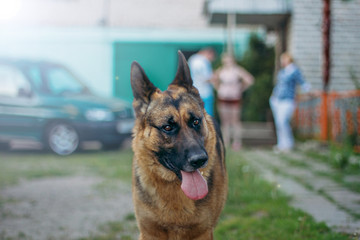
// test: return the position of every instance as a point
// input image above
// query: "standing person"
(282, 101)
(230, 81)
(201, 73)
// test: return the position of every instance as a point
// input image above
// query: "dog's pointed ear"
(141, 86)
(183, 77)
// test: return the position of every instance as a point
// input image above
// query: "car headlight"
(126, 113)
(99, 114)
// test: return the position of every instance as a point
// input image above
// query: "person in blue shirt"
(202, 73)
(282, 101)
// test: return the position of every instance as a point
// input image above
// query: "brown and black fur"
(162, 210)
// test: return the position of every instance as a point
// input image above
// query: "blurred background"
(96, 40)
(65, 86)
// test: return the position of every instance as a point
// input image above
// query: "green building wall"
(158, 59)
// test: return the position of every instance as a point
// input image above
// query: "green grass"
(255, 209)
(111, 165)
(124, 230)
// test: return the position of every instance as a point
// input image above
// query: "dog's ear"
(183, 77)
(142, 88)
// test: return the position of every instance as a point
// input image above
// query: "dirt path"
(62, 208)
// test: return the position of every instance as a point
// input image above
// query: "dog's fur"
(171, 130)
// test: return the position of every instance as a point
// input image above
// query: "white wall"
(345, 44)
(306, 41)
(119, 13)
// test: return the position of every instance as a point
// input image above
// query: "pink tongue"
(194, 185)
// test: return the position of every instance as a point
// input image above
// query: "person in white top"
(230, 81)
(201, 74)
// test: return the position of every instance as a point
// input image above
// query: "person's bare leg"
(236, 124)
(225, 123)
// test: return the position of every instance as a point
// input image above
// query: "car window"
(13, 83)
(61, 81)
(35, 75)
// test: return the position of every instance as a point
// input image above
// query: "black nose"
(198, 160)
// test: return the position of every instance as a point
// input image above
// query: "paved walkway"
(320, 196)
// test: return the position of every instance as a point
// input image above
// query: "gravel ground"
(62, 208)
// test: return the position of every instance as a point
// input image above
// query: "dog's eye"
(167, 128)
(196, 122)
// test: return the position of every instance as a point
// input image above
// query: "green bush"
(259, 60)
(341, 153)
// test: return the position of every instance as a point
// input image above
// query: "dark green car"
(46, 102)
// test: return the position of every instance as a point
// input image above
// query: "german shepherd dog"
(179, 176)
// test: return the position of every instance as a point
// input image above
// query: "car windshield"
(60, 81)
(55, 80)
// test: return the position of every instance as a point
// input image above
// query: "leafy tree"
(259, 60)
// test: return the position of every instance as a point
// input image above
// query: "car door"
(19, 118)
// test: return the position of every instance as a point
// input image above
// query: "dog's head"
(173, 126)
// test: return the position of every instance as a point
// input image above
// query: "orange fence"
(334, 116)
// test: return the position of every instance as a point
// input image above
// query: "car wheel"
(62, 138)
